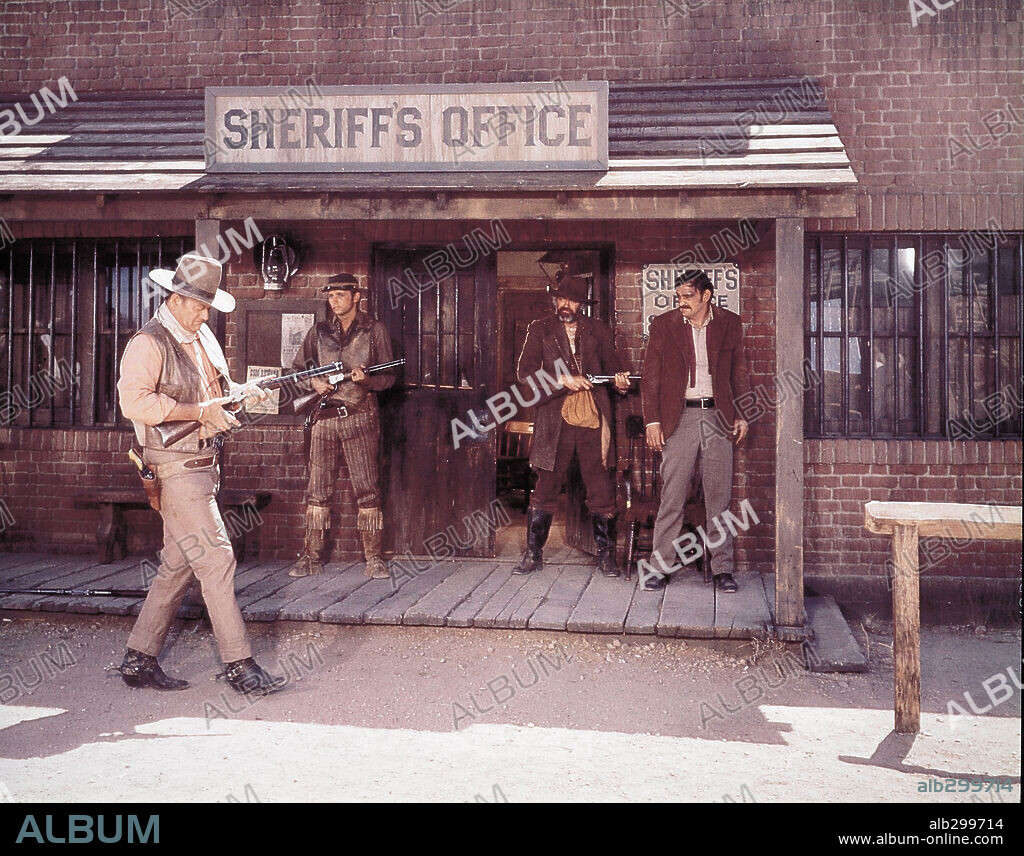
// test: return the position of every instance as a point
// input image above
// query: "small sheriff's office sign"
(658, 287)
(419, 128)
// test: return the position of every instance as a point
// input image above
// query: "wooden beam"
(946, 519)
(789, 429)
(906, 630)
(532, 205)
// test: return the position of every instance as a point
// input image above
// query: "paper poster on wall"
(659, 288)
(273, 402)
(293, 330)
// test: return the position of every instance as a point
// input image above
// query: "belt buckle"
(342, 411)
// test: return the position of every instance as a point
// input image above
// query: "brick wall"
(841, 475)
(926, 112)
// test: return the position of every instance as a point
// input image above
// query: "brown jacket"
(546, 342)
(665, 371)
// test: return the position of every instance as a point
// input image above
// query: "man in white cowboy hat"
(169, 366)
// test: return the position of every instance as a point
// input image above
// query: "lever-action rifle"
(171, 432)
(606, 378)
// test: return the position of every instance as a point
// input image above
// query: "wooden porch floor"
(565, 595)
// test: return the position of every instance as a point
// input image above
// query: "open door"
(438, 497)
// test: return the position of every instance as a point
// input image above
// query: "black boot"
(604, 537)
(142, 670)
(538, 524)
(246, 677)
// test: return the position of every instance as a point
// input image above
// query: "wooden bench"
(906, 522)
(237, 507)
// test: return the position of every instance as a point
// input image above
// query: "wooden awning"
(687, 137)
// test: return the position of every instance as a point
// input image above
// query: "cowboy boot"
(604, 537)
(311, 561)
(538, 524)
(247, 677)
(376, 567)
(143, 671)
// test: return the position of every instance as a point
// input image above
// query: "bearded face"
(566, 310)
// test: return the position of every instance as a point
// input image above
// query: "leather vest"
(357, 351)
(180, 380)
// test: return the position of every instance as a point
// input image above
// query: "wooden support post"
(206, 235)
(789, 424)
(906, 630)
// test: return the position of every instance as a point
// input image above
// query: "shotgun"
(172, 432)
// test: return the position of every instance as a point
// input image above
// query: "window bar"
(10, 320)
(96, 332)
(138, 283)
(31, 328)
(869, 272)
(821, 336)
(419, 330)
(945, 385)
(844, 326)
(1020, 308)
(970, 343)
(53, 330)
(73, 397)
(438, 347)
(457, 380)
(996, 428)
(919, 275)
(893, 277)
(117, 328)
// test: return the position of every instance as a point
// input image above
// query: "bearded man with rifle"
(171, 371)
(345, 421)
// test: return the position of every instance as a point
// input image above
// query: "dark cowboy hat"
(197, 277)
(341, 282)
(574, 288)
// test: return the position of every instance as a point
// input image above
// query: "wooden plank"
(10, 574)
(338, 582)
(90, 576)
(561, 600)
(789, 426)
(946, 519)
(743, 614)
(352, 608)
(274, 579)
(487, 615)
(906, 630)
(688, 607)
(835, 648)
(393, 609)
(644, 610)
(768, 584)
(433, 608)
(603, 606)
(464, 613)
(528, 599)
(46, 573)
(268, 607)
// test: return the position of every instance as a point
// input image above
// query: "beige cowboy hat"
(197, 277)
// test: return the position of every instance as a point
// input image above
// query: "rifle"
(79, 592)
(606, 378)
(171, 432)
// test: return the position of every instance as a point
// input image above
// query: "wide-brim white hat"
(197, 277)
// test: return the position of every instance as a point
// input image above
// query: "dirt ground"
(425, 714)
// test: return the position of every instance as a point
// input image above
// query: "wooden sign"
(658, 287)
(416, 128)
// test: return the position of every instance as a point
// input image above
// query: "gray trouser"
(195, 543)
(679, 457)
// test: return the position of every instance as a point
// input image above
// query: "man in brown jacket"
(694, 371)
(568, 340)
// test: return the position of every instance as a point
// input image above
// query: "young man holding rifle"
(346, 421)
(169, 367)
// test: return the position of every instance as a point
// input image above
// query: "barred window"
(915, 335)
(67, 310)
